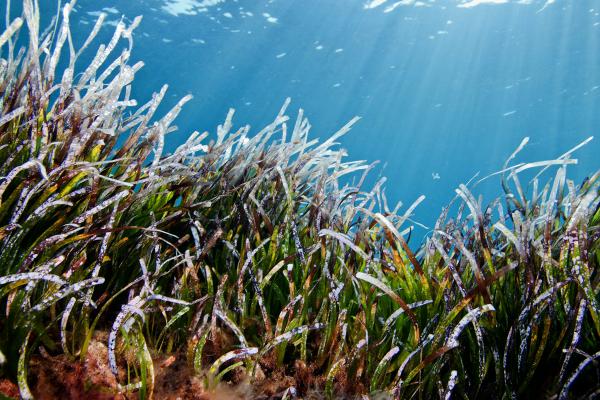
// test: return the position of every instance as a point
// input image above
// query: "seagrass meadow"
(257, 265)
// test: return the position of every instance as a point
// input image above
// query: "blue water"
(444, 88)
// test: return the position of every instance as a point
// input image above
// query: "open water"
(445, 88)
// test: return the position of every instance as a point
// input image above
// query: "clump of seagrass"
(248, 254)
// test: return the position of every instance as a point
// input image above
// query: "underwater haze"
(445, 88)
